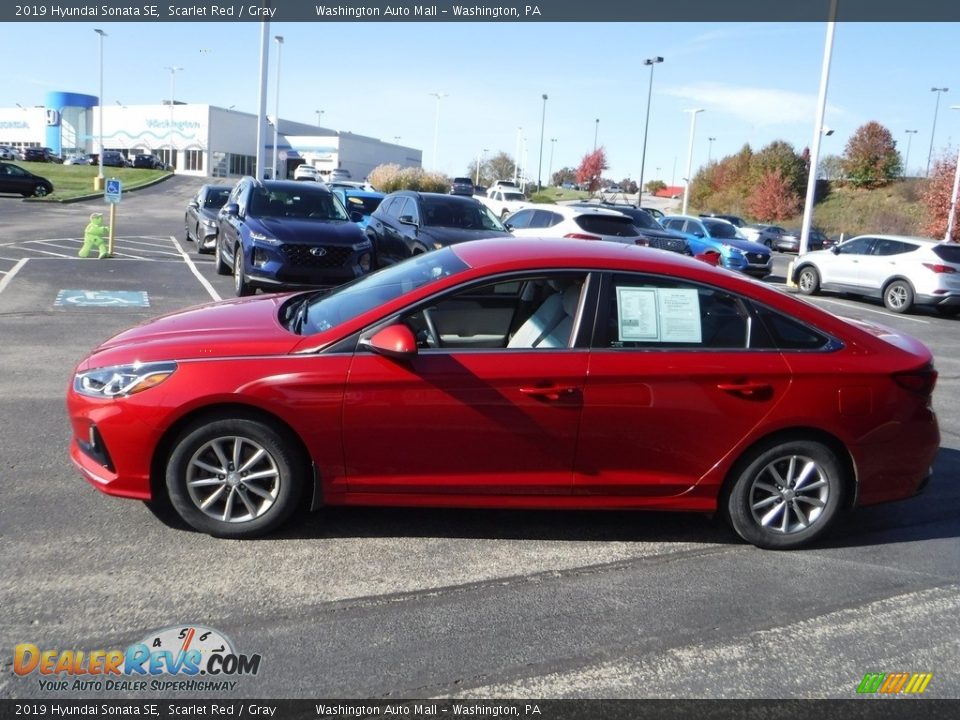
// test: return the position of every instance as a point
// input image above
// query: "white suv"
(306, 172)
(903, 271)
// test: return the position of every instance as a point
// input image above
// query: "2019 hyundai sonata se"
(512, 373)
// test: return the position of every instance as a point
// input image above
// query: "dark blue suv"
(283, 235)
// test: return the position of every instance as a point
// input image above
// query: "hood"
(230, 328)
(311, 232)
(450, 236)
(663, 234)
(745, 245)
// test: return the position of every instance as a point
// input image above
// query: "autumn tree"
(655, 186)
(591, 169)
(871, 159)
(936, 198)
(773, 198)
(779, 155)
(500, 167)
(564, 175)
(830, 167)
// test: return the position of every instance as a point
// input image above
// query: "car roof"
(907, 238)
(575, 210)
(445, 196)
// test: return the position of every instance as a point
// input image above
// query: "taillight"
(938, 268)
(582, 236)
(920, 381)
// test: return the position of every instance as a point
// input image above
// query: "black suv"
(462, 186)
(408, 223)
(284, 234)
(40, 154)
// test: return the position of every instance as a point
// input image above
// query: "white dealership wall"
(208, 140)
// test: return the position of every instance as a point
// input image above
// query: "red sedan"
(512, 373)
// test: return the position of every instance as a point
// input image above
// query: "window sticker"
(637, 315)
(658, 315)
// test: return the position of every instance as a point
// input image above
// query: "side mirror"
(356, 216)
(408, 220)
(231, 209)
(394, 341)
(711, 257)
(194, 204)
(508, 226)
(835, 249)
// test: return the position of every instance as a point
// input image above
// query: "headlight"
(122, 380)
(210, 224)
(264, 238)
(731, 250)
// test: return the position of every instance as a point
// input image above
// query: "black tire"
(40, 190)
(947, 310)
(808, 280)
(240, 284)
(898, 296)
(801, 509)
(186, 231)
(218, 261)
(253, 507)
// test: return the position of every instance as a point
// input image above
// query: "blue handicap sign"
(113, 190)
(102, 298)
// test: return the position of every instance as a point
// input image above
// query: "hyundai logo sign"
(318, 251)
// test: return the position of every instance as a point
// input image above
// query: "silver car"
(902, 271)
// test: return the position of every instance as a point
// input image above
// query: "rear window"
(617, 226)
(462, 181)
(948, 252)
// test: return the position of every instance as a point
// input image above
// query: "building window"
(193, 160)
(242, 164)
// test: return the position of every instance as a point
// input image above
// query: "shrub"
(542, 197)
(390, 178)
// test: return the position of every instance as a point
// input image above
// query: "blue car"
(720, 236)
(285, 235)
(359, 201)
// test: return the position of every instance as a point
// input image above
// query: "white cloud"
(762, 107)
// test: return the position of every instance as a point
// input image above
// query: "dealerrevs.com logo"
(184, 657)
(894, 683)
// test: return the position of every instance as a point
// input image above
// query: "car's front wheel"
(898, 296)
(221, 265)
(40, 190)
(786, 495)
(234, 477)
(808, 281)
(240, 284)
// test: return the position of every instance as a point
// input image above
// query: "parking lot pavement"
(360, 602)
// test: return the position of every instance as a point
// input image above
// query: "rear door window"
(617, 226)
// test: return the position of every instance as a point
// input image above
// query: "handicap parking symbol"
(102, 298)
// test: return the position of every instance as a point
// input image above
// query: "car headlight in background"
(260, 237)
(122, 380)
(731, 250)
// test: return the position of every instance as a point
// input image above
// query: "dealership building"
(196, 139)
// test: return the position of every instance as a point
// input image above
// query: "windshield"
(721, 229)
(348, 301)
(642, 220)
(442, 211)
(304, 203)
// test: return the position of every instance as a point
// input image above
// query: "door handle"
(548, 392)
(746, 389)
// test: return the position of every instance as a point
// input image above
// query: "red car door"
(672, 387)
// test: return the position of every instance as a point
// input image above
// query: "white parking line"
(193, 268)
(873, 310)
(13, 271)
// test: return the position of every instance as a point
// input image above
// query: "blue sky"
(757, 82)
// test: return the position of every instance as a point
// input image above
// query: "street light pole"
(710, 149)
(951, 222)
(906, 161)
(516, 164)
(436, 128)
(173, 96)
(553, 144)
(693, 128)
(596, 129)
(479, 160)
(319, 113)
(98, 185)
(936, 109)
(646, 126)
(276, 106)
(543, 119)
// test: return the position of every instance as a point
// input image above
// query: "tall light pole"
(596, 130)
(479, 160)
(951, 222)
(693, 128)
(516, 164)
(173, 95)
(646, 126)
(936, 109)
(553, 144)
(710, 149)
(319, 113)
(906, 160)
(543, 119)
(260, 159)
(276, 106)
(98, 185)
(436, 128)
(818, 133)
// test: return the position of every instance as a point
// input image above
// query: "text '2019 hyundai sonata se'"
(512, 373)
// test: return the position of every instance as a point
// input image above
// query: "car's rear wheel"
(40, 190)
(234, 477)
(240, 284)
(218, 261)
(786, 495)
(808, 281)
(898, 296)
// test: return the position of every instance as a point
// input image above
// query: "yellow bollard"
(113, 222)
(790, 282)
